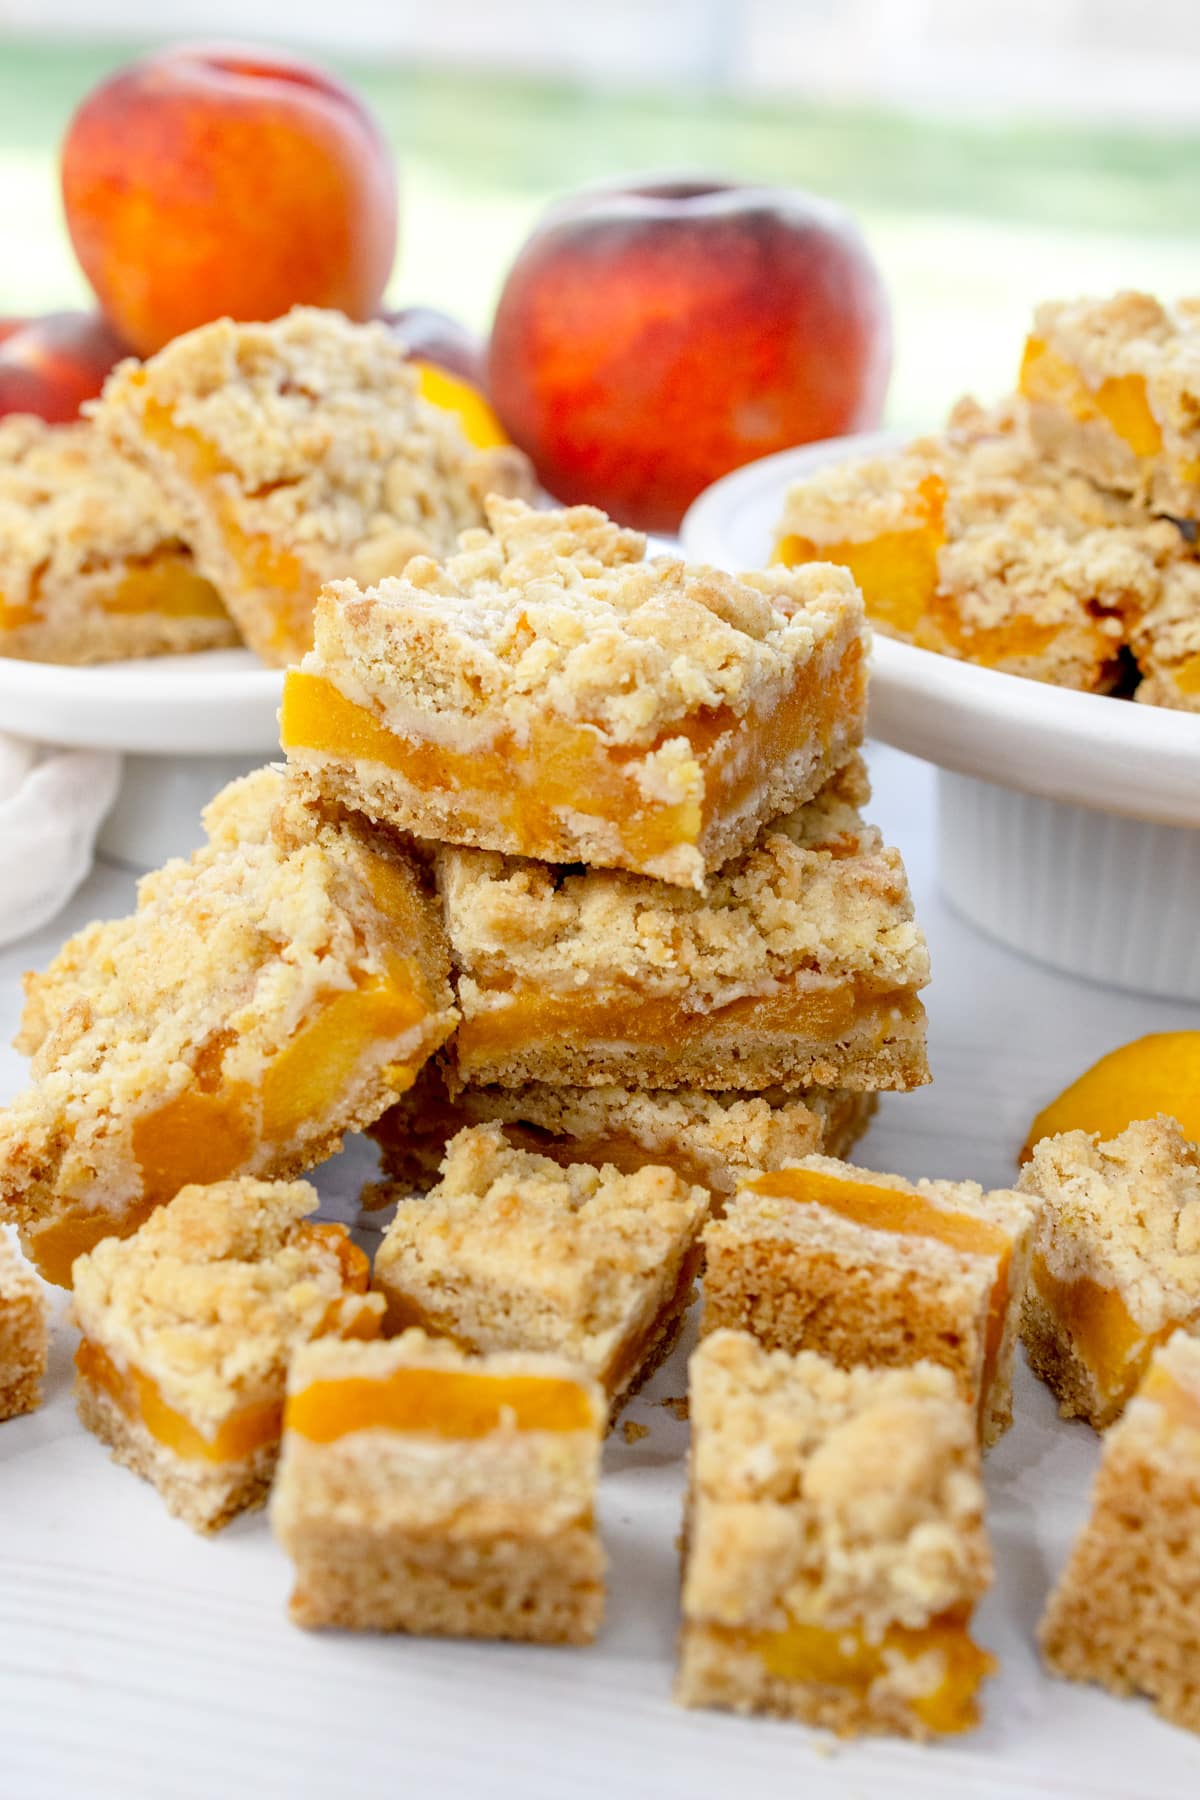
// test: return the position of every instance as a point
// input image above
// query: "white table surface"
(139, 1660)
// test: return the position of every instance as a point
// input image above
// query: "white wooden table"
(138, 1660)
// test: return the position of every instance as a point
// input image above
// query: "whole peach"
(219, 179)
(650, 338)
(51, 365)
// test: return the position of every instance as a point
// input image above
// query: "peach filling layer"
(140, 1399)
(897, 571)
(1104, 1335)
(1120, 400)
(1187, 675)
(825, 1657)
(444, 1403)
(218, 1128)
(813, 1015)
(906, 1215)
(451, 393)
(271, 572)
(1179, 1406)
(165, 584)
(898, 574)
(564, 768)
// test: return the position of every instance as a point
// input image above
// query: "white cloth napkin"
(52, 803)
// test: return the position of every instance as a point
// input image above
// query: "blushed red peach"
(649, 339)
(50, 366)
(220, 179)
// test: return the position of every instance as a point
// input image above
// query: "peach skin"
(207, 180)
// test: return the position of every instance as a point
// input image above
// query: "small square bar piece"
(1126, 1610)
(549, 692)
(800, 966)
(268, 995)
(975, 545)
(297, 452)
(515, 1252)
(426, 1491)
(24, 1333)
(1114, 391)
(188, 1329)
(1116, 1264)
(835, 1543)
(872, 1269)
(709, 1139)
(92, 566)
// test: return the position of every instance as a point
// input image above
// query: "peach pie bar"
(188, 1329)
(92, 568)
(1126, 1610)
(297, 452)
(708, 1139)
(836, 1543)
(1114, 391)
(426, 1491)
(873, 1269)
(24, 1334)
(973, 545)
(549, 692)
(267, 996)
(801, 965)
(514, 1252)
(1116, 1266)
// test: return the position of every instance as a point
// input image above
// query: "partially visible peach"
(649, 339)
(431, 336)
(50, 366)
(212, 179)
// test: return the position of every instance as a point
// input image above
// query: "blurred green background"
(972, 222)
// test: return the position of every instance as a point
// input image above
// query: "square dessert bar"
(512, 1251)
(92, 566)
(549, 692)
(24, 1333)
(1116, 1264)
(299, 451)
(1126, 1609)
(800, 966)
(188, 1329)
(835, 1543)
(270, 994)
(873, 1269)
(709, 1139)
(972, 544)
(427, 1491)
(1114, 391)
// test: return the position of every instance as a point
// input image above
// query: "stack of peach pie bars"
(1054, 536)
(564, 894)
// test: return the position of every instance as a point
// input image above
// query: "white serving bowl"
(1069, 823)
(185, 724)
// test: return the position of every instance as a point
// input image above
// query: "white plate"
(1086, 749)
(217, 702)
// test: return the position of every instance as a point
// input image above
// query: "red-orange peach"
(650, 338)
(53, 364)
(220, 179)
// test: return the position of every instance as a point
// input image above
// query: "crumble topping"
(560, 612)
(1124, 1213)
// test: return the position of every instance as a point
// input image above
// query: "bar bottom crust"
(204, 1496)
(1052, 1359)
(545, 1590)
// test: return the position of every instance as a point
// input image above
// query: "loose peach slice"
(1155, 1074)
